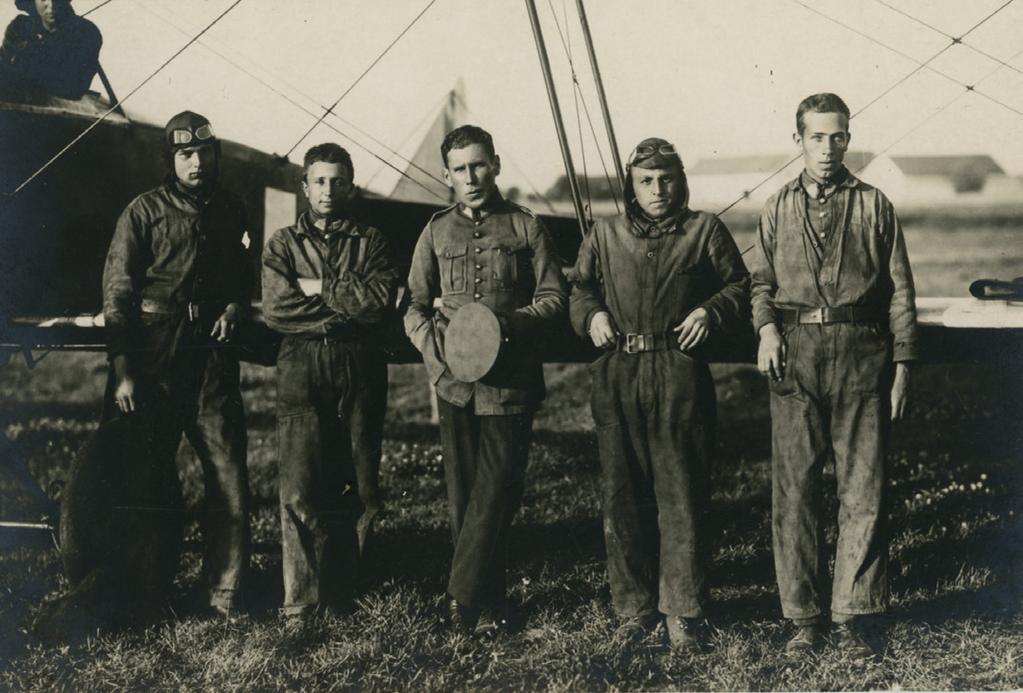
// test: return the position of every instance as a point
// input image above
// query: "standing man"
(327, 285)
(50, 50)
(486, 250)
(175, 287)
(833, 304)
(653, 284)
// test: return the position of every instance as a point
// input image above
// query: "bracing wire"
(586, 109)
(919, 66)
(429, 114)
(93, 9)
(926, 64)
(309, 112)
(365, 72)
(121, 101)
(947, 35)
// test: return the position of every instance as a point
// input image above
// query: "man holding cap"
(652, 285)
(176, 285)
(483, 250)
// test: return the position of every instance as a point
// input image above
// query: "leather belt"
(192, 311)
(636, 343)
(828, 315)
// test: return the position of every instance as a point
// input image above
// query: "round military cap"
(472, 342)
(188, 129)
(654, 152)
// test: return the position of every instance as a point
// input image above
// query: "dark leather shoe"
(808, 638)
(633, 629)
(684, 634)
(850, 641)
(462, 618)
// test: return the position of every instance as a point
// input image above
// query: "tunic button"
(479, 267)
(477, 280)
(479, 250)
(650, 254)
(477, 234)
(477, 295)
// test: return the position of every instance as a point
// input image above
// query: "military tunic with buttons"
(503, 258)
(654, 406)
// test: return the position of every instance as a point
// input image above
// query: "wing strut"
(559, 125)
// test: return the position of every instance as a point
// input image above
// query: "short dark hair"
(463, 137)
(820, 103)
(330, 153)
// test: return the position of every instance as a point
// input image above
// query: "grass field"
(957, 548)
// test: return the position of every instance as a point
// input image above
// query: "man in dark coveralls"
(652, 284)
(175, 287)
(50, 50)
(488, 250)
(833, 304)
(327, 285)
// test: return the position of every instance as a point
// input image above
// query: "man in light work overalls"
(833, 304)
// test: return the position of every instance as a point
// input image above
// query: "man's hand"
(694, 330)
(602, 330)
(311, 287)
(771, 353)
(224, 327)
(900, 391)
(124, 393)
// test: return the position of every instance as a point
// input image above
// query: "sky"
(716, 78)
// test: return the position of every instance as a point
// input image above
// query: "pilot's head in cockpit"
(50, 12)
(192, 150)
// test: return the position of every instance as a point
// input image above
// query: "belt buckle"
(816, 316)
(193, 312)
(636, 343)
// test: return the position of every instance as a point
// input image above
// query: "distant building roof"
(763, 163)
(978, 164)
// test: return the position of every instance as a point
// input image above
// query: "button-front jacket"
(172, 248)
(504, 259)
(863, 262)
(353, 264)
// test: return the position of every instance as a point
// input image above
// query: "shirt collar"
(804, 181)
(494, 204)
(307, 225)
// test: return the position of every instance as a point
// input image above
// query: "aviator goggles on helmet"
(645, 151)
(182, 136)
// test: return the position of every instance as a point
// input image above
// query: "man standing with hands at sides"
(175, 286)
(833, 304)
(483, 249)
(653, 284)
(328, 283)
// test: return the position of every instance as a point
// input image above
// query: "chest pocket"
(453, 269)
(510, 262)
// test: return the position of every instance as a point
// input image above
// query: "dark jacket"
(61, 62)
(507, 261)
(358, 280)
(865, 265)
(649, 278)
(170, 249)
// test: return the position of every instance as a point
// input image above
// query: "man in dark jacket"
(486, 250)
(328, 283)
(652, 285)
(833, 303)
(175, 286)
(50, 50)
